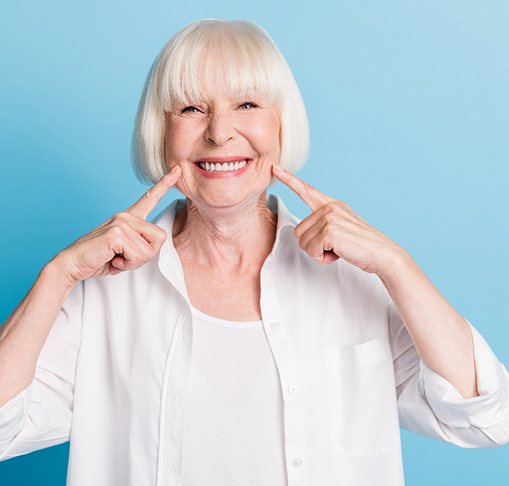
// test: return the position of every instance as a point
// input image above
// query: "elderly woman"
(227, 342)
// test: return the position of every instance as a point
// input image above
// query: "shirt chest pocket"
(363, 415)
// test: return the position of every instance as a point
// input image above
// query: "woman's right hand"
(124, 242)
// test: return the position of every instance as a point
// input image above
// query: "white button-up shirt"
(112, 375)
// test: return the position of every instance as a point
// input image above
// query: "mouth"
(223, 167)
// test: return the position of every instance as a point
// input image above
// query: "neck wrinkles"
(234, 238)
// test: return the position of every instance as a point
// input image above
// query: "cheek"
(187, 179)
(179, 140)
(266, 136)
(175, 143)
(186, 185)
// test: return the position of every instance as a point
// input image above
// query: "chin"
(229, 198)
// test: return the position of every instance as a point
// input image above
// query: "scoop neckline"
(224, 322)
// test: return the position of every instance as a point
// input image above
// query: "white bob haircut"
(249, 62)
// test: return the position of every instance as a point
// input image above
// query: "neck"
(229, 239)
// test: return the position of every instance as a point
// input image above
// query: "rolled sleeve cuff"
(485, 410)
(12, 415)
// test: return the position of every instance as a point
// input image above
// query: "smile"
(232, 166)
(221, 170)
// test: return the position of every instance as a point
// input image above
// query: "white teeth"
(232, 166)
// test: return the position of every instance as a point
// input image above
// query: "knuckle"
(123, 227)
(156, 247)
(335, 205)
(162, 235)
(159, 234)
(148, 253)
(332, 212)
(144, 251)
(115, 234)
(115, 231)
(121, 216)
(330, 215)
(134, 258)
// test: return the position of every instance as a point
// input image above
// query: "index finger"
(144, 206)
(309, 194)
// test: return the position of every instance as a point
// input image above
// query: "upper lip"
(232, 158)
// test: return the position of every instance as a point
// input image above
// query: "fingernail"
(279, 169)
(174, 169)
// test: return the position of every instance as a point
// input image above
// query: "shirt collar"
(168, 260)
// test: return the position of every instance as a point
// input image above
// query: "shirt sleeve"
(40, 415)
(430, 405)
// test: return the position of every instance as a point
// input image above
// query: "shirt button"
(293, 389)
(275, 325)
(297, 462)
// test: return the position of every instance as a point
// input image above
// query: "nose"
(220, 129)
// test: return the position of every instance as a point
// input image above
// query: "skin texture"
(443, 339)
(226, 231)
(222, 215)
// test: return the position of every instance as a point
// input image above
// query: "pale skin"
(224, 235)
(228, 230)
(443, 339)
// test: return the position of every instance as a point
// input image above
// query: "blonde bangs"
(219, 59)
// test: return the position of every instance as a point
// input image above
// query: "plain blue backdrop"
(409, 115)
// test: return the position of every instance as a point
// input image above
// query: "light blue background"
(409, 115)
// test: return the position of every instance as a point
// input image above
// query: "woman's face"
(223, 128)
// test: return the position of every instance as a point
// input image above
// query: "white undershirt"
(233, 430)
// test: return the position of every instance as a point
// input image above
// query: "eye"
(190, 108)
(250, 103)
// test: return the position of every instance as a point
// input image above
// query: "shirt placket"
(290, 379)
(175, 379)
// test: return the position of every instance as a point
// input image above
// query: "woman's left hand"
(334, 231)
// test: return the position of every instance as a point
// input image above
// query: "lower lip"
(216, 174)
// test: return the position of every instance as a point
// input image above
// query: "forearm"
(23, 334)
(442, 337)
